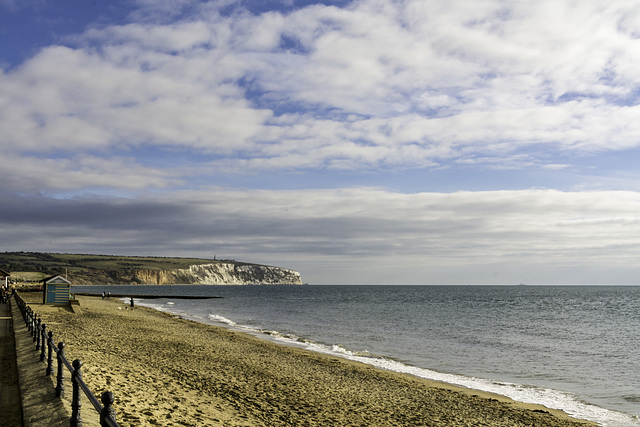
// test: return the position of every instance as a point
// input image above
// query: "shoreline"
(168, 370)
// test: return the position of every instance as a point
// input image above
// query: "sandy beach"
(169, 371)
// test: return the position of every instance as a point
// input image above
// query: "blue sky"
(400, 142)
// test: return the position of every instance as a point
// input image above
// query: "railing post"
(107, 409)
(38, 333)
(76, 376)
(28, 320)
(23, 309)
(44, 344)
(60, 378)
(50, 354)
(35, 329)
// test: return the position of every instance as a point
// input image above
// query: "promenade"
(10, 403)
(27, 395)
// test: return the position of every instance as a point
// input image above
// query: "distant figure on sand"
(103, 295)
(131, 302)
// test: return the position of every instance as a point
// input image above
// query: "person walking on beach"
(131, 302)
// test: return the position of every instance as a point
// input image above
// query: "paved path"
(10, 403)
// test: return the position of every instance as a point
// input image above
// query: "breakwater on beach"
(567, 347)
(144, 296)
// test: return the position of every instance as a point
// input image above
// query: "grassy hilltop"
(34, 266)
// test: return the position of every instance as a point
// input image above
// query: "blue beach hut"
(57, 290)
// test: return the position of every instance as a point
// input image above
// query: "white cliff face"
(215, 273)
(228, 273)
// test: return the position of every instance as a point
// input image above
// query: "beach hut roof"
(4, 273)
(56, 279)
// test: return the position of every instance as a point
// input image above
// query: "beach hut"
(4, 277)
(57, 290)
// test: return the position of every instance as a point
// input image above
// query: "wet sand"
(169, 371)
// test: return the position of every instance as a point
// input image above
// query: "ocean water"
(574, 348)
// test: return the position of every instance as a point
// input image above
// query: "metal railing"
(45, 344)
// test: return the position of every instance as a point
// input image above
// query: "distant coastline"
(90, 269)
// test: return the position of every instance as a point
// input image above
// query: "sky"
(357, 142)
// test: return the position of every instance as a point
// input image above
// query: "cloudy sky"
(372, 141)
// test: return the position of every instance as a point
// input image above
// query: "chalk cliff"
(220, 273)
(91, 269)
(216, 273)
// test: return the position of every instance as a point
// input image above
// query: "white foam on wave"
(549, 398)
(220, 319)
(554, 399)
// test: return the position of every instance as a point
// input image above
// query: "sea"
(573, 348)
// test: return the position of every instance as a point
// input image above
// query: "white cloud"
(72, 100)
(181, 37)
(159, 107)
(389, 236)
(374, 84)
(96, 174)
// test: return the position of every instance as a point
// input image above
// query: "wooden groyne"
(142, 296)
